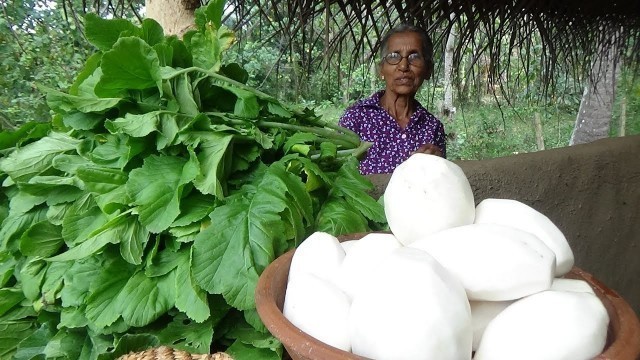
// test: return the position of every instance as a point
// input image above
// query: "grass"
(487, 131)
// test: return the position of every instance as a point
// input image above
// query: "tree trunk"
(623, 117)
(537, 124)
(482, 77)
(326, 83)
(448, 110)
(175, 16)
(594, 115)
(373, 77)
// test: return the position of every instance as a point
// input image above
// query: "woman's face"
(405, 78)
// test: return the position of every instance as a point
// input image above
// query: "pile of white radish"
(452, 281)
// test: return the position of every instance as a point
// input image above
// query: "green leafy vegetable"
(145, 214)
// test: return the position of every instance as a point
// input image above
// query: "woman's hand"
(429, 149)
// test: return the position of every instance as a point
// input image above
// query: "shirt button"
(404, 136)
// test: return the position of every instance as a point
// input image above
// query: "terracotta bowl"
(623, 342)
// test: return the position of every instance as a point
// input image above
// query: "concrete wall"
(591, 192)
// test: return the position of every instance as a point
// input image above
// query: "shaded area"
(571, 32)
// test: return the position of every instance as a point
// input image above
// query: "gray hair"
(427, 44)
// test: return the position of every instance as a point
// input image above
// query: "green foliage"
(301, 71)
(161, 192)
(487, 132)
(628, 98)
(37, 47)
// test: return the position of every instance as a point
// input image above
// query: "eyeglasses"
(395, 58)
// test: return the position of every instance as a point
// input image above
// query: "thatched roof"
(572, 32)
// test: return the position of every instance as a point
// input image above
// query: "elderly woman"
(392, 119)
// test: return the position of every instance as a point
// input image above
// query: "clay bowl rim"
(623, 322)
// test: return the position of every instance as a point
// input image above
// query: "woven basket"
(167, 353)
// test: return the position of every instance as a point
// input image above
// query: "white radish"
(362, 259)
(416, 311)
(482, 312)
(319, 254)
(519, 215)
(493, 262)
(427, 194)
(348, 244)
(318, 308)
(550, 325)
(560, 284)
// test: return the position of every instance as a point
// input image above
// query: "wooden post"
(538, 127)
(623, 116)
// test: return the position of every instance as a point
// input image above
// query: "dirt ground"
(591, 192)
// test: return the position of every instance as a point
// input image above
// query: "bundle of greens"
(144, 213)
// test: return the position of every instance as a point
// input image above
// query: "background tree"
(175, 16)
(37, 47)
(593, 120)
(448, 110)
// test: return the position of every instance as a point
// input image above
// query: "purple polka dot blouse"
(391, 144)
